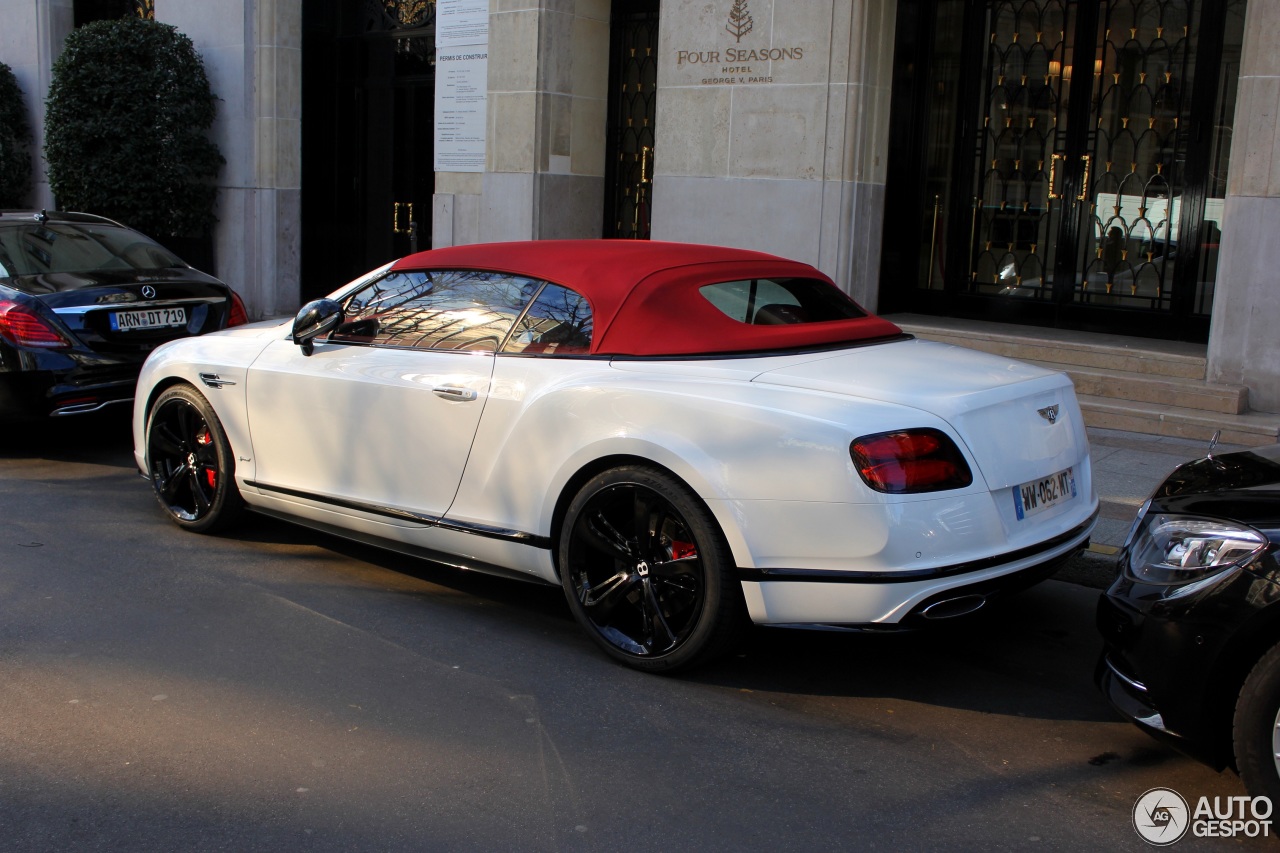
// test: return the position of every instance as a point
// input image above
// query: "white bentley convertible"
(686, 438)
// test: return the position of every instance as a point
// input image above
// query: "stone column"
(772, 126)
(252, 52)
(31, 37)
(1244, 346)
(545, 140)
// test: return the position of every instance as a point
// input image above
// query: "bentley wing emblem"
(1049, 413)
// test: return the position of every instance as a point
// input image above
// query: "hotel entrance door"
(633, 92)
(368, 136)
(1077, 178)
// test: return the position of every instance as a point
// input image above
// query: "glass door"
(1077, 180)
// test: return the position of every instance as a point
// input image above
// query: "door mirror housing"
(315, 319)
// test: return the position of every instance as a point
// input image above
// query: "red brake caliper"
(204, 439)
(680, 550)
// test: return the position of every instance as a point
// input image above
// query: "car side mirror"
(315, 319)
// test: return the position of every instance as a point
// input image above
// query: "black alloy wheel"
(647, 572)
(190, 461)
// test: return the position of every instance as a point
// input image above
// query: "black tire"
(647, 571)
(1257, 738)
(190, 461)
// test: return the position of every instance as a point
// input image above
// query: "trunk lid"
(988, 400)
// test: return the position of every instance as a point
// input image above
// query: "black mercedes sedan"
(83, 300)
(1192, 623)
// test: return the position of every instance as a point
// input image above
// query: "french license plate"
(154, 318)
(1039, 495)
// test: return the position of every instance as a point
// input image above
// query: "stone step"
(1173, 359)
(1251, 429)
(1161, 390)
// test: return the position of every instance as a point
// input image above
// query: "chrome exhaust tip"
(949, 608)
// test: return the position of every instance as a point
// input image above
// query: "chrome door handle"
(453, 392)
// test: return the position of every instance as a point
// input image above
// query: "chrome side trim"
(1136, 685)
(1155, 721)
(487, 531)
(213, 380)
(451, 560)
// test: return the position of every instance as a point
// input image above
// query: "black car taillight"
(238, 316)
(23, 327)
(914, 460)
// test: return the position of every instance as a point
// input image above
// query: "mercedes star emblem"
(150, 293)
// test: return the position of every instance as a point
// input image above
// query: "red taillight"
(238, 316)
(23, 327)
(916, 460)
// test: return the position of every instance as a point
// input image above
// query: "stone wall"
(773, 138)
(1244, 347)
(31, 36)
(545, 140)
(252, 52)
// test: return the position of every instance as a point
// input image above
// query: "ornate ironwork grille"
(1020, 128)
(1126, 183)
(412, 24)
(1064, 161)
(632, 109)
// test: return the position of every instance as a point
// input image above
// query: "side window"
(436, 309)
(783, 301)
(558, 321)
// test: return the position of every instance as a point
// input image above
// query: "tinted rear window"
(781, 301)
(33, 248)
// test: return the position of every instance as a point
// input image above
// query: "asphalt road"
(280, 690)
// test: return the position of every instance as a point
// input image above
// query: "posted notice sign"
(462, 77)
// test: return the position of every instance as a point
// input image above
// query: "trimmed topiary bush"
(126, 128)
(15, 142)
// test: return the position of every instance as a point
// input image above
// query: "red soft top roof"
(644, 294)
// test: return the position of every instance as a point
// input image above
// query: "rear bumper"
(39, 394)
(887, 599)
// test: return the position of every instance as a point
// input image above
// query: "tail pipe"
(949, 608)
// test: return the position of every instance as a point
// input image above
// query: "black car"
(1192, 623)
(82, 301)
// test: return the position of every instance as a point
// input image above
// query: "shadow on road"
(102, 438)
(1030, 655)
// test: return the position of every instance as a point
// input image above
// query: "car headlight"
(1172, 549)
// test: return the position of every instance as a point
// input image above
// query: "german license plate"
(154, 318)
(1039, 495)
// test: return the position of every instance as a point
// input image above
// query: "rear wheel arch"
(700, 486)
(646, 568)
(583, 476)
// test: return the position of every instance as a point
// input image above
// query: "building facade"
(1109, 165)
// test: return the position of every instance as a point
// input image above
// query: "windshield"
(35, 248)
